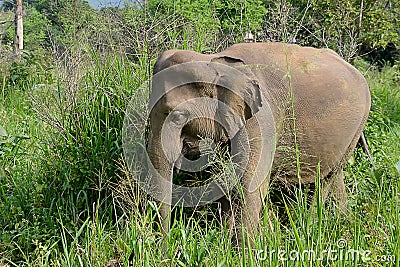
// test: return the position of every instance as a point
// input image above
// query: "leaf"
(3, 131)
(397, 166)
(351, 160)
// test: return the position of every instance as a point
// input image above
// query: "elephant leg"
(335, 187)
(165, 219)
(250, 216)
(227, 215)
(339, 192)
(248, 198)
(229, 208)
(242, 215)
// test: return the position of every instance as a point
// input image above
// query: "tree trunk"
(19, 28)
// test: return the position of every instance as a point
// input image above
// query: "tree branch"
(5, 21)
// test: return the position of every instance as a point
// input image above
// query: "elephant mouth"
(197, 154)
(190, 153)
(196, 161)
(191, 148)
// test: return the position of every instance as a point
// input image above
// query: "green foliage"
(338, 24)
(190, 24)
(198, 13)
(89, 137)
(380, 24)
(9, 145)
(29, 70)
(76, 24)
(35, 29)
(6, 27)
(212, 20)
(240, 16)
(21, 202)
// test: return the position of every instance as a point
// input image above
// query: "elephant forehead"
(179, 95)
(200, 107)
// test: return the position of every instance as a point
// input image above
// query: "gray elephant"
(289, 112)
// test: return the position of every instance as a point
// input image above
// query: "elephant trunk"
(162, 155)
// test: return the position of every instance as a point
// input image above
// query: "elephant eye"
(179, 117)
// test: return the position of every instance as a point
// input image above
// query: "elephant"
(296, 112)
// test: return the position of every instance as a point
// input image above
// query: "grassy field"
(65, 198)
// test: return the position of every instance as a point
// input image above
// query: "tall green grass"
(61, 172)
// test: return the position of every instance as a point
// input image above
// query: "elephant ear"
(247, 119)
(238, 91)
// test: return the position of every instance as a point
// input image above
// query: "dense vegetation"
(66, 197)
